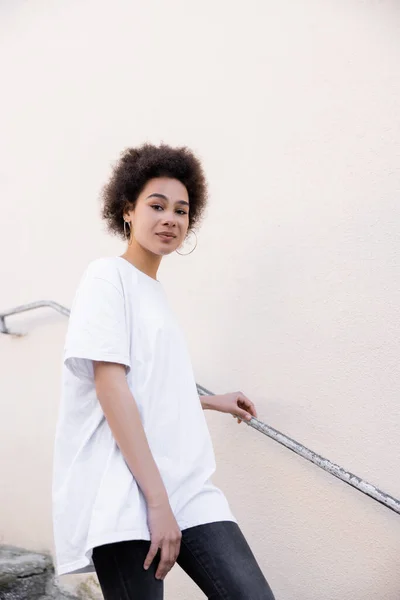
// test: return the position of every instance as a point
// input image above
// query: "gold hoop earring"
(192, 250)
(128, 235)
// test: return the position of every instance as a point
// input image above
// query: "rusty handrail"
(323, 463)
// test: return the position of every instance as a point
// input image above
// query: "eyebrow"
(155, 195)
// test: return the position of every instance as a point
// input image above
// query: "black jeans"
(216, 556)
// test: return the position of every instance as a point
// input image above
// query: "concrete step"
(24, 575)
(57, 594)
(27, 575)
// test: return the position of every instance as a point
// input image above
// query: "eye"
(181, 212)
(156, 206)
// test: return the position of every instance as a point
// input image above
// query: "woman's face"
(160, 218)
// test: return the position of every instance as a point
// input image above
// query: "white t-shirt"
(121, 315)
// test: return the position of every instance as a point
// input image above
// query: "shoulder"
(105, 269)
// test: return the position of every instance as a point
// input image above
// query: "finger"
(252, 410)
(177, 549)
(174, 552)
(166, 561)
(150, 555)
(243, 415)
(246, 403)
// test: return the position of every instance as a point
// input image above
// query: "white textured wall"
(293, 292)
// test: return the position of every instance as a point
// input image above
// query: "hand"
(236, 404)
(165, 535)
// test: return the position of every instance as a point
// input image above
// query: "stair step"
(23, 574)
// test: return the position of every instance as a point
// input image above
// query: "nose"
(169, 220)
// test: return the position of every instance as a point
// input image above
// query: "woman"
(133, 457)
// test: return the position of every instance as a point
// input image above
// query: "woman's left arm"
(234, 403)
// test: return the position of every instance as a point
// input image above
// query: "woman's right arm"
(122, 414)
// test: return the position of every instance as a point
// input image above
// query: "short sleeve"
(97, 328)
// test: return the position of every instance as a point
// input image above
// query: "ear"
(128, 209)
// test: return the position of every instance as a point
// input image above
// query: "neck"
(142, 259)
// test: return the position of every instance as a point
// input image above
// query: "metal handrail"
(323, 463)
(25, 307)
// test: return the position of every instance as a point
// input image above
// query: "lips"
(166, 235)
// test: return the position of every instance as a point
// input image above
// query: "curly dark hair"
(137, 165)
